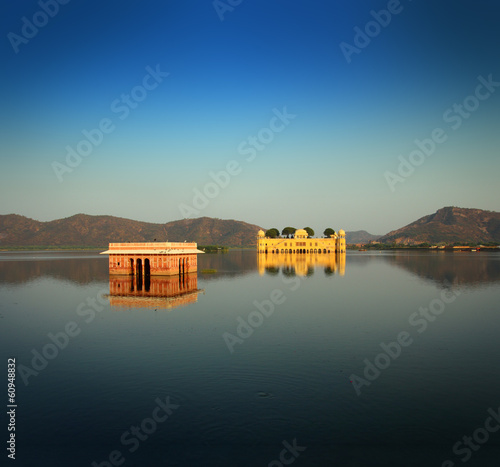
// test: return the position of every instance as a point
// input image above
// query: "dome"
(261, 233)
(341, 232)
(300, 233)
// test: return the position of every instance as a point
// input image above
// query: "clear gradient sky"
(235, 73)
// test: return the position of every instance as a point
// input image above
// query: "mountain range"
(360, 236)
(447, 225)
(98, 231)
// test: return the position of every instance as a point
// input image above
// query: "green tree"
(328, 232)
(310, 232)
(288, 231)
(272, 233)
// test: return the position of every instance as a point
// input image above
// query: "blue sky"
(312, 117)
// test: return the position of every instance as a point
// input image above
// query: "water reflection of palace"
(164, 292)
(301, 265)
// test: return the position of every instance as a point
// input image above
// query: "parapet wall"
(152, 258)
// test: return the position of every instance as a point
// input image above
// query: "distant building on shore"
(301, 244)
(157, 258)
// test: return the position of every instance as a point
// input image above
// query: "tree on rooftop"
(310, 232)
(272, 233)
(328, 232)
(288, 231)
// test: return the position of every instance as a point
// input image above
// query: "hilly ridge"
(98, 231)
(449, 225)
(360, 236)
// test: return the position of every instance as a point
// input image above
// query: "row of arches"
(139, 268)
(182, 265)
(138, 271)
(299, 251)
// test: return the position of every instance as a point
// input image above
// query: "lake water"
(379, 358)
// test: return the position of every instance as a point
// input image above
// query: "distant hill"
(449, 225)
(360, 236)
(98, 231)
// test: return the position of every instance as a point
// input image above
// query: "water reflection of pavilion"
(164, 292)
(301, 265)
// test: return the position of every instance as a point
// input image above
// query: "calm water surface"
(179, 361)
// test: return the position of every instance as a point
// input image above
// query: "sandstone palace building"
(301, 244)
(156, 258)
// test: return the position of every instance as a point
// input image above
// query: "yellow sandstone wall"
(302, 244)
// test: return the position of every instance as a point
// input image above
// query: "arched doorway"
(132, 266)
(147, 274)
(138, 273)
